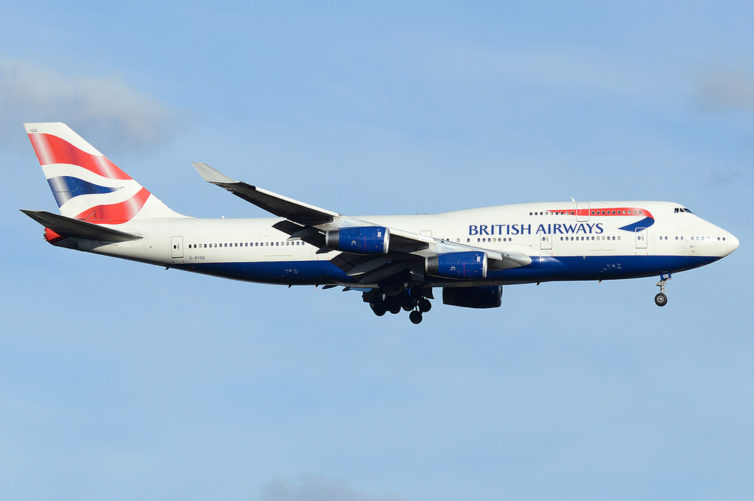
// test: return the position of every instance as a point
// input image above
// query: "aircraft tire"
(424, 305)
(379, 309)
(661, 299)
(415, 317)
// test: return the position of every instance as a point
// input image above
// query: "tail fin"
(86, 185)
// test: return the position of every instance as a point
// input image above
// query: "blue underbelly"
(599, 267)
(540, 270)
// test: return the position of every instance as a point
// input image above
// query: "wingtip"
(211, 175)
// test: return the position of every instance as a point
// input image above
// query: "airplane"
(395, 261)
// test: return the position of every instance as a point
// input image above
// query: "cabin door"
(640, 237)
(582, 211)
(176, 246)
(545, 242)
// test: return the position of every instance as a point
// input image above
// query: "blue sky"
(120, 380)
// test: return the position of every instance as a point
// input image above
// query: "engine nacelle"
(359, 239)
(485, 296)
(470, 264)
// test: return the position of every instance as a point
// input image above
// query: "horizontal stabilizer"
(69, 227)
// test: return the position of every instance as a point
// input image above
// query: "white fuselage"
(566, 241)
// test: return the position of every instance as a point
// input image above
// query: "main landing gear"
(412, 299)
(661, 299)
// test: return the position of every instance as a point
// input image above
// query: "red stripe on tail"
(115, 213)
(53, 150)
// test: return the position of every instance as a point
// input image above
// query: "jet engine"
(470, 264)
(359, 239)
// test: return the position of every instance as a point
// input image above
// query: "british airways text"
(528, 229)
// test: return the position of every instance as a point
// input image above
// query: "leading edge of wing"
(403, 242)
(274, 203)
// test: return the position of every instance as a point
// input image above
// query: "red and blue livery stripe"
(65, 188)
(644, 223)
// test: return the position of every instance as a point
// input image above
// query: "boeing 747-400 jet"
(394, 261)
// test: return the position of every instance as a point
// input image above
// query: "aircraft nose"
(732, 243)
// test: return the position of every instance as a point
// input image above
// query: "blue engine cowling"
(359, 239)
(470, 264)
(486, 296)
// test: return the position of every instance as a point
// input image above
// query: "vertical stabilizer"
(86, 184)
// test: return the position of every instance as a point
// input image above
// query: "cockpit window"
(681, 209)
(687, 210)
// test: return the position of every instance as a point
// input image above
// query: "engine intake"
(486, 296)
(470, 264)
(359, 239)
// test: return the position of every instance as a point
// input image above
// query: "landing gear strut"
(661, 299)
(411, 299)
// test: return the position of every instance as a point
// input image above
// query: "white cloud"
(312, 488)
(122, 118)
(726, 90)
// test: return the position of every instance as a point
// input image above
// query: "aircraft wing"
(279, 205)
(407, 250)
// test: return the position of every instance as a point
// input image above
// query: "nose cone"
(732, 243)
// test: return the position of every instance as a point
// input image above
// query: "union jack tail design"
(86, 185)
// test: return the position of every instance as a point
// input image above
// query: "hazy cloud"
(121, 117)
(726, 90)
(312, 488)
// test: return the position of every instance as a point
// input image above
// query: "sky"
(120, 380)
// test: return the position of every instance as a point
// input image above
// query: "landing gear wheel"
(379, 309)
(424, 305)
(661, 299)
(394, 308)
(415, 317)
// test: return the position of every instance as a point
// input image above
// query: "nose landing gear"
(661, 299)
